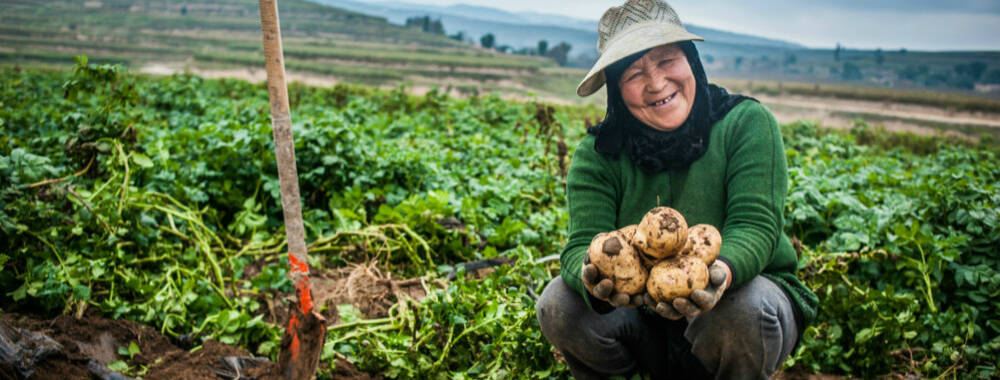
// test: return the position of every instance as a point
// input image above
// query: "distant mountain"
(525, 29)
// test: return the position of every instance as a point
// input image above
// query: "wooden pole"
(303, 339)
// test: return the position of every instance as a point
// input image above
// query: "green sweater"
(738, 186)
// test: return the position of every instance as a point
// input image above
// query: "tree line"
(887, 67)
(558, 53)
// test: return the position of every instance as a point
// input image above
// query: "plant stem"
(97, 216)
(927, 279)
(423, 243)
(57, 180)
(124, 158)
(447, 347)
(361, 322)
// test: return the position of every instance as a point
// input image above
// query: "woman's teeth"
(664, 101)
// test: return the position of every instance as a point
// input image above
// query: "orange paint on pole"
(293, 347)
(301, 268)
(296, 265)
(305, 295)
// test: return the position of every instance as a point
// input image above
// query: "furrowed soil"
(895, 117)
(96, 338)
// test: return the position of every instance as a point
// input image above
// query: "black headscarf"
(654, 150)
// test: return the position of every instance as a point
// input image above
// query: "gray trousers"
(747, 335)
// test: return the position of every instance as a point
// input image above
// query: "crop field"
(950, 101)
(148, 208)
(319, 41)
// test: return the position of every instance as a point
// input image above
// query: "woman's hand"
(604, 288)
(700, 301)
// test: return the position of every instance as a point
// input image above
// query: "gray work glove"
(699, 301)
(604, 288)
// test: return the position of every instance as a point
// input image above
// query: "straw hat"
(636, 26)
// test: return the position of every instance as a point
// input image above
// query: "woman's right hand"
(604, 288)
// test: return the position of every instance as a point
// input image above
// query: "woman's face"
(659, 88)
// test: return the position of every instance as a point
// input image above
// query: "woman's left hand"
(700, 301)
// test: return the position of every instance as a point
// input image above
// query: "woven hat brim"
(636, 39)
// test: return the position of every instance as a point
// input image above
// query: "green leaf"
(457, 319)
(142, 160)
(118, 366)
(348, 313)
(865, 335)
(81, 292)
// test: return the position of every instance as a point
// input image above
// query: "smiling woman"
(670, 138)
(658, 89)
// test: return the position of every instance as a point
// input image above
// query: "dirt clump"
(202, 364)
(94, 338)
(366, 287)
(369, 289)
(97, 338)
(346, 371)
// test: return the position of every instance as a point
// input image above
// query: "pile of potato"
(661, 255)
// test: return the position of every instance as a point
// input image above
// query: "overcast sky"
(889, 24)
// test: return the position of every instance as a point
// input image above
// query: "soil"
(364, 286)
(828, 111)
(90, 338)
(248, 74)
(896, 117)
(201, 364)
(887, 109)
(96, 338)
(347, 371)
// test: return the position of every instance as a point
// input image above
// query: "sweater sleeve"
(756, 184)
(591, 193)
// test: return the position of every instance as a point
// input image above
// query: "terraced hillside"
(323, 44)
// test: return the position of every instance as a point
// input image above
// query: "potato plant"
(151, 199)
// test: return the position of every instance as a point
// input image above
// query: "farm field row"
(155, 200)
(338, 45)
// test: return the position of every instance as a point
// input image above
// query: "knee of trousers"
(557, 308)
(591, 340)
(748, 329)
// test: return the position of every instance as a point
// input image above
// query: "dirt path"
(247, 74)
(832, 112)
(914, 118)
(421, 86)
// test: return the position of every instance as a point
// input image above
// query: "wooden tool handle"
(284, 149)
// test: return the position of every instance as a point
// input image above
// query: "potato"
(619, 261)
(629, 233)
(661, 233)
(676, 277)
(703, 242)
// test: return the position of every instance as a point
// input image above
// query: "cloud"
(889, 24)
(820, 25)
(910, 6)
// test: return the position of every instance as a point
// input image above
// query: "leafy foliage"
(471, 329)
(151, 206)
(152, 198)
(903, 255)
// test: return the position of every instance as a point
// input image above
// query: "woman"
(669, 138)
